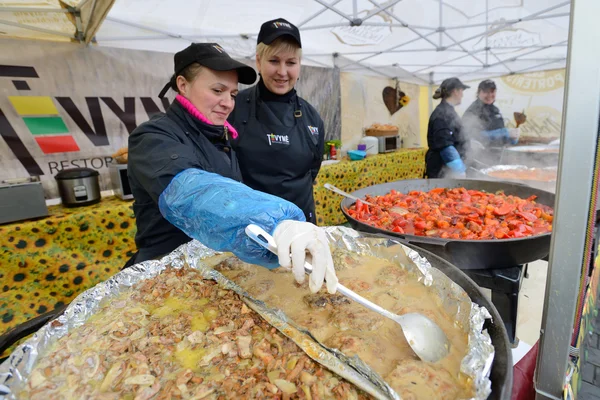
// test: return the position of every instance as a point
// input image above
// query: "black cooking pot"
(502, 368)
(465, 254)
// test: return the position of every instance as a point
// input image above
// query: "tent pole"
(381, 9)
(307, 20)
(573, 213)
(413, 30)
(487, 49)
(33, 9)
(34, 28)
(517, 57)
(335, 10)
(354, 9)
(539, 65)
(506, 24)
(391, 48)
(498, 58)
(510, 21)
(440, 24)
(470, 53)
(447, 61)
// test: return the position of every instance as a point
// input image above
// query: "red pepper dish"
(455, 214)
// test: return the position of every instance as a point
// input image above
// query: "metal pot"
(465, 254)
(78, 186)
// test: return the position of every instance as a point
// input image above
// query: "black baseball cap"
(447, 86)
(271, 30)
(212, 56)
(488, 84)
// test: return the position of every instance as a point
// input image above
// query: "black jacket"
(285, 168)
(160, 149)
(444, 129)
(481, 117)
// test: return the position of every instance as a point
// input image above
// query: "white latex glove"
(514, 133)
(296, 238)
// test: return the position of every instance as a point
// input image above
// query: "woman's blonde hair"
(282, 44)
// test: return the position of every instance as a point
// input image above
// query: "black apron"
(275, 158)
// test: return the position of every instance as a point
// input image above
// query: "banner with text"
(65, 106)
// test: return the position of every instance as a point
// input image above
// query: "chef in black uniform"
(445, 137)
(281, 136)
(484, 122)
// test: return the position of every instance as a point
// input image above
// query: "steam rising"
(481, 155)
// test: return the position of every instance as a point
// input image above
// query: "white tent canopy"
(421, 41)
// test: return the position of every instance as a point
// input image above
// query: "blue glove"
(452, 159)
(499, 135)
(215, 211)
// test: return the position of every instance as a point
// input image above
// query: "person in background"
(484, 122)
(186, 179)
(281, 136)
(445, 138)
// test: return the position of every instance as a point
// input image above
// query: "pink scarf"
(198, 115)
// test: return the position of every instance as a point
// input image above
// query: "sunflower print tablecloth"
(353, 175)
(46, 263)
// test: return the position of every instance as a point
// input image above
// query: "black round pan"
(502, 367)
(465, 254)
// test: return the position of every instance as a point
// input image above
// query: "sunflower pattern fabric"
(46, 263)
(353, 175)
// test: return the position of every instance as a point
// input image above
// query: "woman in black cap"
(483, 121)
(281, 140)
(186, 180)
(445, 139)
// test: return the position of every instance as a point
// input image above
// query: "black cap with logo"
(271, 30)
(486, 85)
(447, 86)
(212, 56)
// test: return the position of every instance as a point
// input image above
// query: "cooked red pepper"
(528, 216)
(420, 225)
(504, 209)
(456, 214)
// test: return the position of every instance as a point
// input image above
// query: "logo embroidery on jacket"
(314, 130)
(278, 139)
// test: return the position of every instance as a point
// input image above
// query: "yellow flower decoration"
(404, 100)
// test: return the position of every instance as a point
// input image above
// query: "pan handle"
(425, 240)
(28, 327)
(419, 239)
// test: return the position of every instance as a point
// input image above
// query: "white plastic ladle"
(424, 336)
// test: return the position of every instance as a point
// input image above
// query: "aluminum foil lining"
(476, 364)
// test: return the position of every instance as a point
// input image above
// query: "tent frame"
(424, 34)
(574, 199)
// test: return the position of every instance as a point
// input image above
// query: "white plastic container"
(372, 144)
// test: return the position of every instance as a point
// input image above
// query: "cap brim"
(463, 86)
(271, 38)
(246, 74)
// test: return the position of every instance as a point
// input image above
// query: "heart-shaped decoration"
(389, 99)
